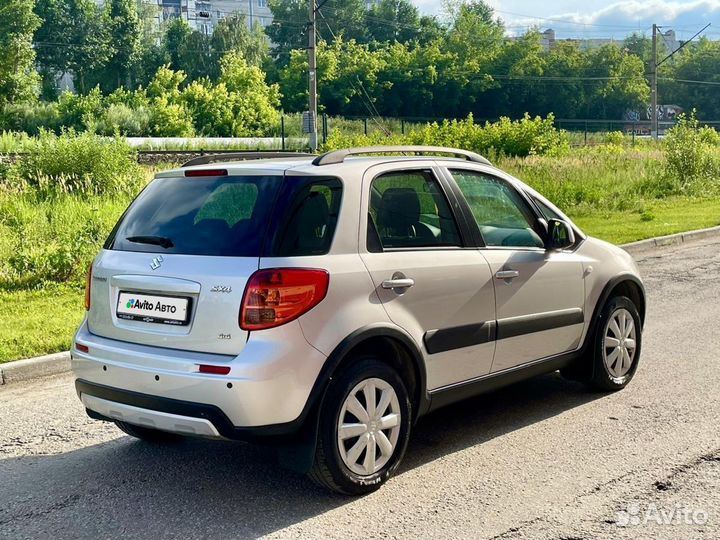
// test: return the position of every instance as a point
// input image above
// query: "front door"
(539, 293)
(431, 284)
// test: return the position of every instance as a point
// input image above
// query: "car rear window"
(222, 216)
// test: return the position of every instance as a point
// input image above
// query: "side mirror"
(560, 234)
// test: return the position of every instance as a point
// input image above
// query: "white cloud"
(591, 17)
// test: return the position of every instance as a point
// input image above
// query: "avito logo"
(138, 304)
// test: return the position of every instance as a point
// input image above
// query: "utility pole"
(312, 78)
(654, 65)
(654, 85)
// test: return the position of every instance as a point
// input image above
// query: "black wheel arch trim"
(355, 339)
(607, 291)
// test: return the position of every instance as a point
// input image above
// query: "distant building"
(204, 15)
(548, 41)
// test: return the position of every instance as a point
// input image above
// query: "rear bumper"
(174, 415)
(267, 392)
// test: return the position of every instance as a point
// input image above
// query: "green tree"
(232, 34)
(288, 31)
(393, 20)
(698, 61)
(18, 78)
(177, 38)
(73, 38)
(625, 86)
(125, 33)
(152, 54)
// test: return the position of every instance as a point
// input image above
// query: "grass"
(38, 322)
(669, 216)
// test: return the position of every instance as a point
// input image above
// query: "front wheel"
(617, 345)
(364, 429)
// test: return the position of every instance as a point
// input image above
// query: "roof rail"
(338, 156)
(243, 156)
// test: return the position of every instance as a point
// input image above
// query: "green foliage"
(170, 119)
(19, 82)
(52, 239)
(77, 163)
(528, 136)
(73, 38)
(692, 161)
(119, 119)
(31, 118)
(614, 137)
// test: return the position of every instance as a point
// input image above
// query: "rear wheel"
(148, 434)
(364, 429)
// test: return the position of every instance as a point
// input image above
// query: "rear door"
(174, 270)
(430, 283)
(539, 293)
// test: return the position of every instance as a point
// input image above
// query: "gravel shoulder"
(541, 459)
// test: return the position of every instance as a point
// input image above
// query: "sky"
(597, 18)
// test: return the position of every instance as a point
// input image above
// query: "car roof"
(304, 165)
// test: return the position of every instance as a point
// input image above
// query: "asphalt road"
(542, 459)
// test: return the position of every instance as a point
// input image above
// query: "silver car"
(325, 303)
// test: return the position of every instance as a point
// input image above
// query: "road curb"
(33, 368)
(52, 364)
(643, 246)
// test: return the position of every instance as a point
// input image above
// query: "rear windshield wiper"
(154, 240)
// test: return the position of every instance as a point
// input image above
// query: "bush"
(529, 136)
(79, 163)
(171, 119)
(616, 138)
(81, 112)
(120, 119)
(31, 118)
(691, 156)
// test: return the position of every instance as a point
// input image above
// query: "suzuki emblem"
(156, 262)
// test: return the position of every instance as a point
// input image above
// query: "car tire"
(381, 437)
(615, 350)
(148, 434)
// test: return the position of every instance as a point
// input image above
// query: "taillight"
(87, 288)
(280, 295)
(206, 172)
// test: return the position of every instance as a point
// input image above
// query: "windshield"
(223, 216)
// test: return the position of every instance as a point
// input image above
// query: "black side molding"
(457, 337)
(519, 326)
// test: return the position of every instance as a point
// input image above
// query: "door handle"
(507, 274)
(402, 283)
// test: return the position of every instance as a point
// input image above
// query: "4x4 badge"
(156, 262)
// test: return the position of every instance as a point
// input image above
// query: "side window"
(547, 212)
(310, 219)
(501, 214)
(407, 209)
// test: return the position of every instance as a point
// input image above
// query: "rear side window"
(308, 211)
(222, 216)
(408, 210)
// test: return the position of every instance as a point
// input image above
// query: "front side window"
(504, 218)
(408, 210)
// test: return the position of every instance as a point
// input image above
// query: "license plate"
(153, 308)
